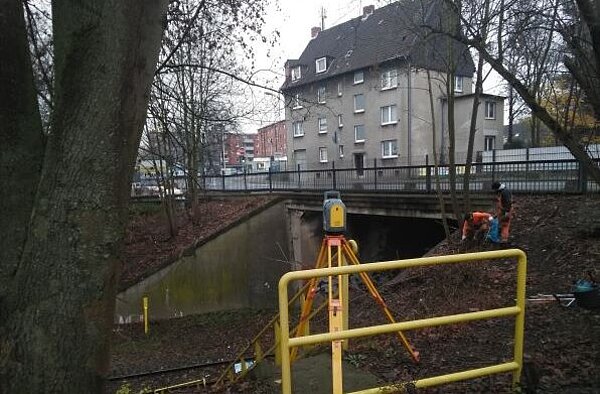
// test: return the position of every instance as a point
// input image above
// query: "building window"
(323, 155)
(298, 129)
(296, 73)
(359, 103)
(340, 121)
(322, 123)
(341, 150)
(389, 79)
(321, 64)
(458, 84)
(490, 110)
(321, 94)
(339, 90)
(297, 104)
(388, 115)
(389, 149)
(359, 133)
(359, 77)
(489, 143)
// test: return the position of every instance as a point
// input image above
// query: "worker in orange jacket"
(476, 224)
(503, 208)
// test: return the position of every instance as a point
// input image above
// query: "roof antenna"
(323, 15)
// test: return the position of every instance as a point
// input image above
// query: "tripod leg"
(308, 300)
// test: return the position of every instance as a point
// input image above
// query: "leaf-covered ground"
(561, 237)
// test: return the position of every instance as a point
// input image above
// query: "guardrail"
(518, 310)
(550, 176)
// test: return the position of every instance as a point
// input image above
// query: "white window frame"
(387, 149)
(322, 124)
(296, 73)
(323, 154)
(298, 128)
(458, 83)
(389, 79)
(297, 103)
(355, 133)
(359, 77)
(486, 146)
(340, 121)
(490, 110)
(339, 89)
(359, 110)
(391, 112)
(321, 65)
(341, 150)
(321, 91)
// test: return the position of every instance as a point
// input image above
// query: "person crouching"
(476, 225)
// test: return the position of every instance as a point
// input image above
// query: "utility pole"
(323, 15)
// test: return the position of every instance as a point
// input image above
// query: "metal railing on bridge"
(541, 176)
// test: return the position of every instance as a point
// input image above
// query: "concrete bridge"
(425, 206)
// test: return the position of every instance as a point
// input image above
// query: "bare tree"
(201, 82)
(542, 22)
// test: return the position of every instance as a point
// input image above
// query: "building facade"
(359, 93)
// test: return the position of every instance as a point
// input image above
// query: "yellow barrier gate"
(517, 310)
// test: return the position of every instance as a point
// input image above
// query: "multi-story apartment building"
(360, 91)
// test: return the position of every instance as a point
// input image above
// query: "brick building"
(271, 141)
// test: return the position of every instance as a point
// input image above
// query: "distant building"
(238, 152)
(271, 141)
(359, 91)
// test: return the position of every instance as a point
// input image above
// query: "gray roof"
(390, 33)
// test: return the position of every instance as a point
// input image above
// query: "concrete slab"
(313, 375)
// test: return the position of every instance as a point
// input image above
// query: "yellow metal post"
(520, 319)
(286, 373)
(336, 318)
(145, 299)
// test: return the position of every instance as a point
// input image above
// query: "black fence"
(552, 176)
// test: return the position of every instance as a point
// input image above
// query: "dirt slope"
(561, 236)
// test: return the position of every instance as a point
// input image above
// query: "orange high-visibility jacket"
(479, 218)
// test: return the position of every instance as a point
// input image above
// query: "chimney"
(368, 10)
(314, 31)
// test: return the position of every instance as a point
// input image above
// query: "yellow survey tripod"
(337, 251)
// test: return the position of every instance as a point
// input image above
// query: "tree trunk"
(472, 130)
(438, 188)
(21, 142)
(59, 316)
(452, 146)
